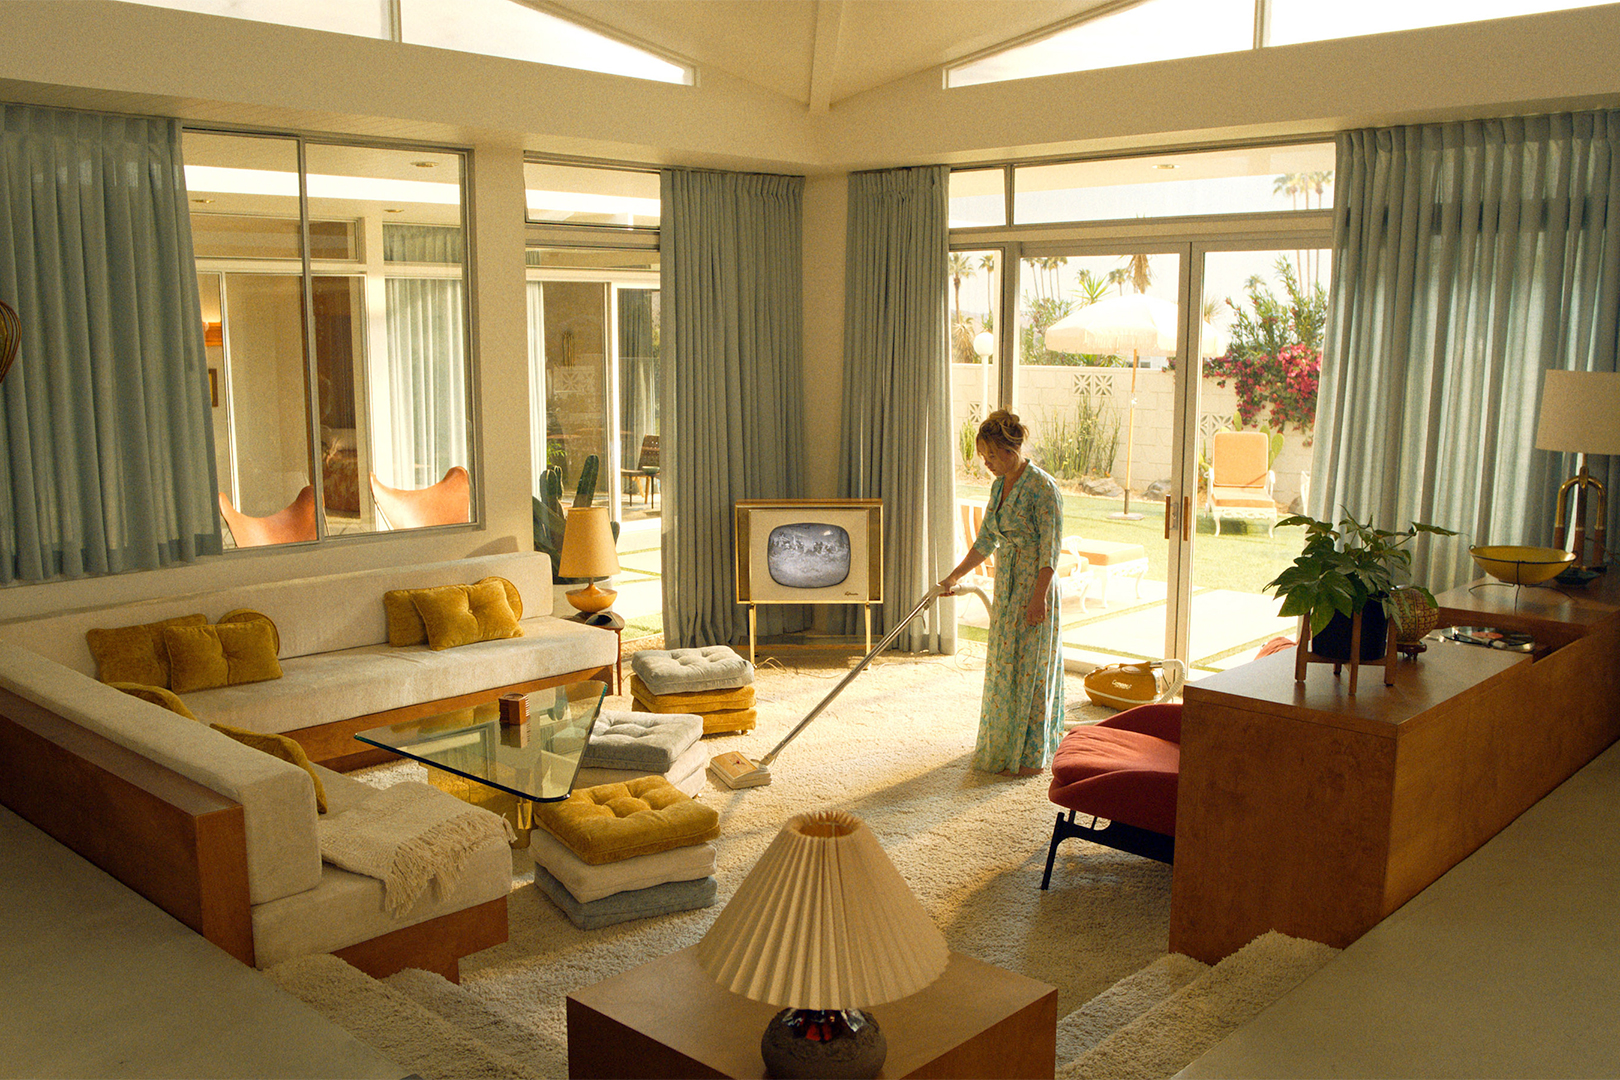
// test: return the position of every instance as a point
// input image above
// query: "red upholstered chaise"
(1123, 769)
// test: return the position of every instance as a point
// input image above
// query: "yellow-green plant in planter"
(1340, 571)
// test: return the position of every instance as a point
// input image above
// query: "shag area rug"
(893, 748)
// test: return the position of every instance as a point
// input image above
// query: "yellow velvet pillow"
(157, 695)
(203, 657)
(282, 747)
(249, 615)
(135, 654)
(462, 614)
(405, 625)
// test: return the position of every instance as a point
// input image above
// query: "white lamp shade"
(1119, 325)
(824, 921)
(587, 548)
(1580, 412)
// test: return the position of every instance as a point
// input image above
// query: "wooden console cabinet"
(1308, 811)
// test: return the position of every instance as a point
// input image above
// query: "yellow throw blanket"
(407, 836)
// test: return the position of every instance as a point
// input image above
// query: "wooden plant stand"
(1306, 656)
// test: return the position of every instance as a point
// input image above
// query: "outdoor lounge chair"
(1239, 478)
(1073, 572)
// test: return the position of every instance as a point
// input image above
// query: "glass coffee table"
(506, 768)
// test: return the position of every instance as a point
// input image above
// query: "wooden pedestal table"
(670, 1019)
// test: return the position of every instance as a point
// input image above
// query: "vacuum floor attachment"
(735, 770)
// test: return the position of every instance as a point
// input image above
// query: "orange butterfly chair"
(289, 526)
(444, 503)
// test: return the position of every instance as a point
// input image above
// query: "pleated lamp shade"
(824, 921)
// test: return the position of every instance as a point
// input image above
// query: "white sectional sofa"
(224, 836)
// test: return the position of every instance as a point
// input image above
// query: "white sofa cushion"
(335, 686)
(278, 799)
(344, 909)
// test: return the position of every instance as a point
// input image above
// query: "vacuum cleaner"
(734, 770)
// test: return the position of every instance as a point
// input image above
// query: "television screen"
(808, 555)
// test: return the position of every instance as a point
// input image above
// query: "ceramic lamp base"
(836, 1044)
(592, 599)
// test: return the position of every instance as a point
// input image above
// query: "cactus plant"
(549, 519)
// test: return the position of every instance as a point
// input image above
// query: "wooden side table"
(615, 623)
(670, 1019)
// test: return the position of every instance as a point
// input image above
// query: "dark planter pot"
(1334, 640)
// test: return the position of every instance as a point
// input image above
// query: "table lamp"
(1580, 414)
(588, 552)
(825, 926)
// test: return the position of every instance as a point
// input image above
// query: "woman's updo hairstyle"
(1001, 428)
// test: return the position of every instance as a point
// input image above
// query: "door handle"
(1167, 517)
(1186, 519)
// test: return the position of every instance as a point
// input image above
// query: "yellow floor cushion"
(698, 701)
(728, 720)
(612, 822)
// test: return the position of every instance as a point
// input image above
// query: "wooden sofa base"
(436, 945)
(333, 745)
(182, 845)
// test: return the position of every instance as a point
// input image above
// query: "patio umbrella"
(1140, 323)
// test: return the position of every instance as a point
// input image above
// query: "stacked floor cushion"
(625, 745)
(711, 681)
(615, 852)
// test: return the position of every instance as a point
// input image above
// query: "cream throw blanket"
(408, 835)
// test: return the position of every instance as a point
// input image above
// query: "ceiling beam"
(824, 50)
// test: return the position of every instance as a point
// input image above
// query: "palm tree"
(960, 267)
(1293, 185)
(1141, 272)
(1091, 288)
(1118, 276)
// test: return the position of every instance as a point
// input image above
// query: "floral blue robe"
(1021, 719)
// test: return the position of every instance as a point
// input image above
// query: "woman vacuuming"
(1021, 720)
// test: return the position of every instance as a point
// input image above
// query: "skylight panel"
(1155, 30)
(362, 18)
(504, 28)
(1294, 21)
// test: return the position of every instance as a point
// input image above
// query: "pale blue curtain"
(106, 447)
(732, 387)
(1468, 259)
(427, 380)
(897, 438)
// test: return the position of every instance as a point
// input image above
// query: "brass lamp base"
(1591, 503)
(592, 599)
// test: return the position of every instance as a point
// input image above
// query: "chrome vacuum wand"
(736, 771)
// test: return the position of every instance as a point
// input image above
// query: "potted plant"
(1340, 572)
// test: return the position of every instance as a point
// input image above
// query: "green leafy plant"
(1343, 568)
(1081, 445)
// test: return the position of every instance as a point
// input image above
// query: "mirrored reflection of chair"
(444, 503)
(289, 526)
(645, 474)
(1239, 478)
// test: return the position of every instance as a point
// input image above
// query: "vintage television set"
(809, 551)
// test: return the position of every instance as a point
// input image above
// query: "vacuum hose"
(933, 593)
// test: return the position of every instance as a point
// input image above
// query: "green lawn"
(1243, 558)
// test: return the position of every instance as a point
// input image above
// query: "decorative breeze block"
(676, 671)
(648, 742)
(610, 822)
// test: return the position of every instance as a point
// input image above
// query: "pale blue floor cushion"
(645, 742)
(586, 882)
(685, 671)
(622, 907)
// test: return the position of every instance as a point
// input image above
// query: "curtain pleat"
(896, 409)
(732, 426)
(427, 398)
(1469, 258)
(106, 456)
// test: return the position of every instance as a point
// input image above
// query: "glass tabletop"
(537, 759)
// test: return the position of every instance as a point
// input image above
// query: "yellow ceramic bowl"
(1518, 565)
